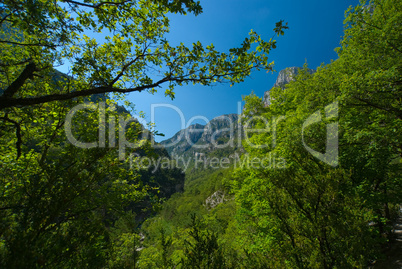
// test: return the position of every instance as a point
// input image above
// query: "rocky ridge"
(221, 132)
(284, 77)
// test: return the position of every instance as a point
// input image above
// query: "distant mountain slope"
(221, 133)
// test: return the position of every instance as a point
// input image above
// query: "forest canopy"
(66, 207)
(62, 206)
(132, 55)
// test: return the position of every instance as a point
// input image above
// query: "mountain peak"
(198, 137)
(284, 77)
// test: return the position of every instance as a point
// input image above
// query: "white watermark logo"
(236, 133)
(331, 151)
(270, 161)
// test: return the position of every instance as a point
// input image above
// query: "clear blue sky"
(316, 28)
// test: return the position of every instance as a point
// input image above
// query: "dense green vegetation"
(70, 196)
(329, 204)
(321, 211)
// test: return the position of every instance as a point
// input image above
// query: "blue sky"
(315, 30)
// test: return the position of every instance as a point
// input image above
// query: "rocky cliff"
(218, 138)
(284, 77)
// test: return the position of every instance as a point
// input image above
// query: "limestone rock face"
(203, 138)
(266, 99)
(215, 199)
(222, 126)
(284, 77)
(184, 139)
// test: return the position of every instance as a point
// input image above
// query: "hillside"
(197, 144)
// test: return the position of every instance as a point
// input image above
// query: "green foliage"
(203, 250)
(65, 207)
(59, 200)
(174, 219)
(125, 242)
(316, 214)
(62, 206)
(165, 243)
(309, 212)
(134, 55)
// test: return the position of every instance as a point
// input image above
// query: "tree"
(371, 89)
(40, 35)
(329, 213)
(58, 202)
(202, 250)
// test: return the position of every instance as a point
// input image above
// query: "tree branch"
(370, 104)
(14, 64)
(97, 5)
(6, 102)
(29, 44)
(11, 207)
(124, 68)
(5, 17)
(17, 84)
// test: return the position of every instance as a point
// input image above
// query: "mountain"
(220, 132)
(284, 77)
(218, 138)
(183, 140)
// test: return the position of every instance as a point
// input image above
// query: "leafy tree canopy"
(317, 213)
(37, 36)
